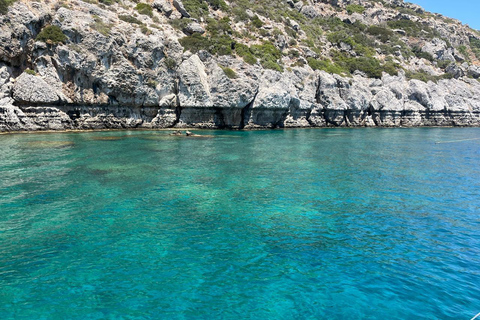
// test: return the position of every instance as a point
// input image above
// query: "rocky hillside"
(92, 64)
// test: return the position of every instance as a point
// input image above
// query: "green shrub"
(107, 2)
(51, 34)
(152, 83)
(250, 59)
(370, 66)
(293, 53)
(130, 19)
(256, 22)
(464, 51)
(180, 24)
(199, 8)
(218, 4)
(219, 27)
(245, 52)
(229, 73)
(325, 65)
(408, 11)
(268, 55)
(359, 43)
(239, 14)
(221, 45)
(4, 4)
(391, 68)
(383, 34)
(170, 63)
(355, 8)
(101, 26)
(299, 63)
(443, 64)
(412, 28)
(145, 9)
(475, 45)
(273, 65)
(144, 29)
(425, 77)
(420, 54)
(195, 43)
(196, 8)
(30, 72)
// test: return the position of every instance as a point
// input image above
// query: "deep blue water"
(287, 224)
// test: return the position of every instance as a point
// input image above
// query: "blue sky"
(467, 11)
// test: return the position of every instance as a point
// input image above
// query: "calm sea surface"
(287, 224)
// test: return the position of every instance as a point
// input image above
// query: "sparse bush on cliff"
(100, 26)
(368, 65)
(219, 27)
(4, 4)
(152, 83)
(30, 72)
(245, 52)
(144, 29)
(325, 65)
(410, 12)
(196, 8)
(355, 8)
(180, 24)
(425, 77)
(145, 9)
(218, 4)
(199, 8)
(51, 34)
(413, 29)
(256, 22)
(391, 67)
(195, 43)
(381, 33)
(360, 44)
(268, 55)
(420, 54)
(229, 72)
(475, 45)
(443, 64)
(170, 63)
(221, 45)
(130, 19)
(464, 51)
(344, 64)
(108, 2)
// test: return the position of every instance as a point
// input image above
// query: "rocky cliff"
(241, 64)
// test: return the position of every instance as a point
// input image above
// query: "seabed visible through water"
(279, 224)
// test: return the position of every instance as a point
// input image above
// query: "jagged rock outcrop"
(112, 73)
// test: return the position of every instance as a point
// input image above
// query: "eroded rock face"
(32, 89)
(193, 86)
(207, 98)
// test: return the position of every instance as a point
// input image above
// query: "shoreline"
(25, 132)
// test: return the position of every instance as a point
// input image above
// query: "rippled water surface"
(294, 224)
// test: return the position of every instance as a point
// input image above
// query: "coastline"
(140, 129)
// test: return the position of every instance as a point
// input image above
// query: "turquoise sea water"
(287, 224)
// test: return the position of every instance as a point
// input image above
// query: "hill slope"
(76, 64)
